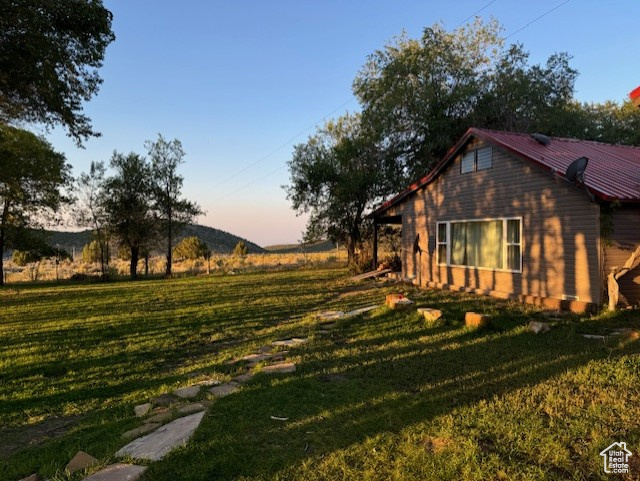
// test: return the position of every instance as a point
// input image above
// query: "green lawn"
(383, 396)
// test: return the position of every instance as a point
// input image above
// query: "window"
(486, 243)
(478, 159)
(442, 243)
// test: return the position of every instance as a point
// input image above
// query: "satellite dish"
(575, 171)
(541, 139)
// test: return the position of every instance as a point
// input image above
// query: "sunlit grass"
(382, 396)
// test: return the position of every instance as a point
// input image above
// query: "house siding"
(625, 238)
(560, 229)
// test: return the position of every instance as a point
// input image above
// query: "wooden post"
(375, 245)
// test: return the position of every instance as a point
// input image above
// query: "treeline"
(417, 98)
(139, 206)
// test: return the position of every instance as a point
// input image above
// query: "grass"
(383, 396)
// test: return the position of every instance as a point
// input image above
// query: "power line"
(246, 186)
(476, 13)
(537, 18)
(282, 146)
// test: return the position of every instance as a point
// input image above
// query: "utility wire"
(282, 146)
(476, 13)
(537, 18)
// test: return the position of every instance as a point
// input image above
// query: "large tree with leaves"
(421, 95)
(32, 182)
(50, 52)
(128, 204)
(337, 176)
(172, 210)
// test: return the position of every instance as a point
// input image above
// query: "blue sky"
(239, 83)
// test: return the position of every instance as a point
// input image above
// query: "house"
(498, 216)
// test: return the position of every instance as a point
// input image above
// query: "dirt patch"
(14, 439)
(436, 445)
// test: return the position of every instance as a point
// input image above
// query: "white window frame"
(505, 257)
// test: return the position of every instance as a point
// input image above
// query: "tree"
(32, 179)
(128, 204)
(91, 212)
(49, 56)
(240, 249)
(192, 248)
(172, 210)
(93, 252)
(22, 258)
(420, 96)
(337, 176)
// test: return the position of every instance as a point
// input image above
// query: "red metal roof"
(613, 172)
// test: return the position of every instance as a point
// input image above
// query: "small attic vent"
(541, 139)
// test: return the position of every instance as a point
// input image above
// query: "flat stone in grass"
(139, 431)
(118, 472)
(242, 378)
(475, 320)
(80, 461)
(33, 477)
(191, 408)
(187, 392)
(159, 443)
(224, 389)
(164, 400)
(142, 409)
(329, 316)
(293, 342)
(358, 312)
(283, 367)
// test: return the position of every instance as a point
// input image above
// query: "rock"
(224, 389)
(242, 378)
(188, 392)
(475, 320)
(398, 301)
(281, 368)
(160, 417)
(210, 382)
(593, 336)
(33, 477)
(329, 316)
(156, 445)
(265, 349)
(139, 431)
(293, 342)
(118, 472)
(80, 461)
(164, 400)
(142, 409)
(358, 312)
(538, 327)
(191, 408)
(430, 314)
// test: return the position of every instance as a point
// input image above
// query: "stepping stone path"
(224, 389)
(155, 440)
(156, 445)
(188, 392)
(118, 472)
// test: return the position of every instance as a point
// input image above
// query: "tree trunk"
(351, 251)
(133, 267)
(146, 264)
(169, 248)
(1, 256)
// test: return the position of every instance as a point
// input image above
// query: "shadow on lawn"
(345, 392)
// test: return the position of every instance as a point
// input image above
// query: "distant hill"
(219, 241)
(320, 246)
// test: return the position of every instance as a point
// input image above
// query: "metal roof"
(613, 172)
